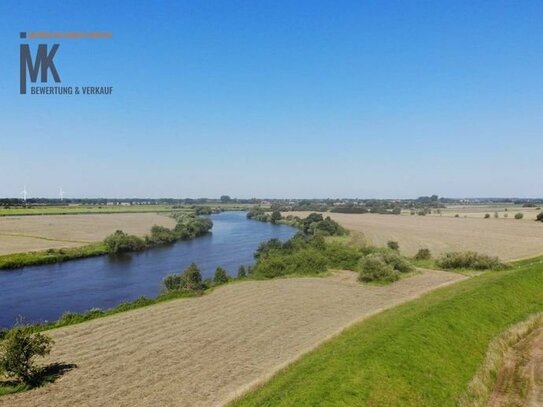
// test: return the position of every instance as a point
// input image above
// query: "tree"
(275, 217)
(192, 278)
(220, 276)
(519, 215)
(242, 273)
(540, 217)
(120, 242)
(225, 199)
(487, 215)
(19, 349)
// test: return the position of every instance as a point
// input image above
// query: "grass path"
(204, 351)
(422, 353)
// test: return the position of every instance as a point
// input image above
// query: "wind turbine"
(61, 194)
(24, 193)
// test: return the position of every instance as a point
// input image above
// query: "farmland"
(204, 351)
(30, 233)
(422, 353)
(506, 238)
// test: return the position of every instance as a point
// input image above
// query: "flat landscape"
(205, 351)
(506, 238)
(29, 233)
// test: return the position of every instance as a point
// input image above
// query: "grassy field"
(84, 209)
(109, 209)
(203, 351)
(423, 353)
(507, 239)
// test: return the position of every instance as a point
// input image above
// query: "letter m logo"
(42, 64)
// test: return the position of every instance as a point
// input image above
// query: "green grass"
(422, 353)
(7, 387)
(50, 256)
(84, 209)
(105, 209)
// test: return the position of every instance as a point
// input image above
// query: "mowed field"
(479, 211)
(29, 233)
(205, 351)
(506, 238)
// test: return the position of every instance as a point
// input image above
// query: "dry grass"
(505, 375)
(205, 351)
(30, 233)
(506, 238)
(479, 211)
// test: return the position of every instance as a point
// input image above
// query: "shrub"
(519, 215)
(161, 235)
(220, 276)
(120, 242)
(374, 268)
(275, 217)
(487, 215)
(423, 254)
(242, 273)
(189, 280)
(457, 216)
(18, 350)
(397, 262)
(539, 217)
(470, 260)
(304, 261)
(341, 256)
(391, 244)
(192, 278)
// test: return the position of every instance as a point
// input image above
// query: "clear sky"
(279, 99)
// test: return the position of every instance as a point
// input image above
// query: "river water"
(44, 293)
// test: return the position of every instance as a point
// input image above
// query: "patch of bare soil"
(520, 380)
(205, 351)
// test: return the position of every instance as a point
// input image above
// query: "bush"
(242, 273)
(18, 350)
(189, 280)
(374, 268)
(487, 215)
(120, 242)
(397, 262)
(391, 244)
(470, 260)
(539, 217)
(304, 261)
(275, 217)
(519, 215)
(423, 254)
(161, 235)
(341, 256)
(220, 276)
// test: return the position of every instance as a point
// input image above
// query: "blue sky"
(279, 99)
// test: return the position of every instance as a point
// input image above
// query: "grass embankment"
(423, 353)
(50, 256)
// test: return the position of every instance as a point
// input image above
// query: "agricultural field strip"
(508, 239)
(205, 351)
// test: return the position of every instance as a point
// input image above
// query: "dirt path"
(520, 380)
(204, 351)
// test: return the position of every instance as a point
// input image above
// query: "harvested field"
(506, 238)
(205, 351)
(29, 233)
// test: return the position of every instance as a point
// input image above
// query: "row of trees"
(188, 227)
